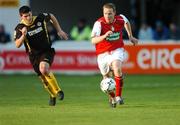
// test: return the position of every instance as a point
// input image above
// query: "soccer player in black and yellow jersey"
(32, 32)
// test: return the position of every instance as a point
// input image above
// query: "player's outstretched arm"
(129, 31)
(20, 41)
(57, 26)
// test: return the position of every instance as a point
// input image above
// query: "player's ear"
(114, 12)
(30, 13)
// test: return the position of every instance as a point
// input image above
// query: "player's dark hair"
(110, 5)
(24, 9)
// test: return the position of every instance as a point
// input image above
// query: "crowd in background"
(159, 32)
(82, 32)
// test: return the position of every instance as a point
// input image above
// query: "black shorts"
(47, 56)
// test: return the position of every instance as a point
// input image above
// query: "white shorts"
(105, 59)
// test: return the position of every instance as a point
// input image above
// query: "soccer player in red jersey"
(107, 38)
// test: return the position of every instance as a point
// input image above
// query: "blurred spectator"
(145, 32)
(81, 31)
(52, 33)
(174, 32)
(4, 37)
(161, 32)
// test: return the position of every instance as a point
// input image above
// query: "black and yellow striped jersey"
(37, 39)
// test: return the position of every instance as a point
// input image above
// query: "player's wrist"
(130, 36)
(60, 31)
(104, 36)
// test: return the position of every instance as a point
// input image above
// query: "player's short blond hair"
(110, 5)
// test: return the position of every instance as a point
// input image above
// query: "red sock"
(112, 94)
(119, 85)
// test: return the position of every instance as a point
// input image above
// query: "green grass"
(149, 100)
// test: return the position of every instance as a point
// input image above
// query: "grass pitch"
(149, 100)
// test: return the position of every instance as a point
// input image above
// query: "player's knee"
(44, 69)
(117, 72)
